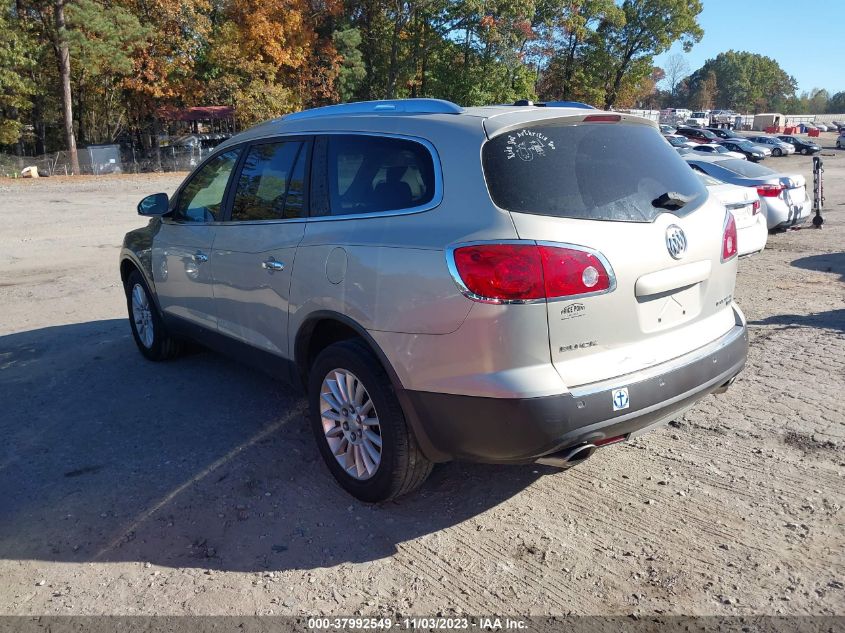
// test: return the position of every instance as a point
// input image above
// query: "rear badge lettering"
(620, 398)
(574, 346)
(573, 311)
(724, 301)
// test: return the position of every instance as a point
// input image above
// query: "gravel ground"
(193, 487)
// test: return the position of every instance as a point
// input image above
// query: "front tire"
(148, 328)
(777, 152)
(360, 427)
(805, 151)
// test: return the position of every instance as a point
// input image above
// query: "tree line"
(77, 72)
(743, 82)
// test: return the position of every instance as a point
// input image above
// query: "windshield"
(596, 171)
(746, 168)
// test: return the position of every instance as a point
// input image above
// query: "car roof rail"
(553, 104)
(568, 104)
(385, 106)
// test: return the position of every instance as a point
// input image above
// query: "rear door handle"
(200, 257)
(272, 265)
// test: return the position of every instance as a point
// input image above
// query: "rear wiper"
(671, 201)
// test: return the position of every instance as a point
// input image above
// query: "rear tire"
(148, 328)
(353, 406)
(805, 151)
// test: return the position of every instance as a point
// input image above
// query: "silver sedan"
(783, 196)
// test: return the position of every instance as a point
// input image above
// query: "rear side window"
(594, 171)
(269, 186)
(358, 174)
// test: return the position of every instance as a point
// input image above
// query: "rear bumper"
(520, 430)
(752, 239)
(780, 214)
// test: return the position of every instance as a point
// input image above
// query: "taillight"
(729, 247)
(501, 272)
(569, 271)
(519, 273)
(755, 207)
(770, 191)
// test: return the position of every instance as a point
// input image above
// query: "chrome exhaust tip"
(568, 457)
(723, 388)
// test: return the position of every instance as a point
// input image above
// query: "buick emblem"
(676, 241)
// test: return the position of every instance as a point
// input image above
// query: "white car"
(744, 205)
(783, 197)
(821, 126)
(715, 149)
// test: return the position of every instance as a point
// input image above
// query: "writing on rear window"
(526, 144)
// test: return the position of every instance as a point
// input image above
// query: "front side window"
(270, 184)
(201, 199)
(371, 174)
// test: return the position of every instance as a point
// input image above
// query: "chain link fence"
(105, 159)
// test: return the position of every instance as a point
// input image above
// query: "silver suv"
(508, 284)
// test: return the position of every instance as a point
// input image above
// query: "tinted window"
(597, 171)
(371, 174)
(270, 183)
(201, 198)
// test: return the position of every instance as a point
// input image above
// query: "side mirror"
(156, 204)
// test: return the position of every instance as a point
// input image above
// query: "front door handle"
(272, 265)
(200, 257)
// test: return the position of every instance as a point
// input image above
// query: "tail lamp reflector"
(769, 191)
(500, 273)
(729, 246)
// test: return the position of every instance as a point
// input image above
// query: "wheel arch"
(129, 264)
(324, 327)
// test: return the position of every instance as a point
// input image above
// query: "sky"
(806, 38)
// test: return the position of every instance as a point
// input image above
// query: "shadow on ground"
(830, 320)
(197, 462)
(826, 263)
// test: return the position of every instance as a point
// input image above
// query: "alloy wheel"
(350, 424)
(142, 316)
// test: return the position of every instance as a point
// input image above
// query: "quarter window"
(371, 174)
(201, 199)
(270, 184)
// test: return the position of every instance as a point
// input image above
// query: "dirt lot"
(193, 487)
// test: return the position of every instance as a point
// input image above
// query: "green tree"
(103, 41)
(352, 71)
(649, 28)
(746, 81)
(836, 105)
(17, 59)
(566, 29)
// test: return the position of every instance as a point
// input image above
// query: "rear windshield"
(595, 171)
(745, 168)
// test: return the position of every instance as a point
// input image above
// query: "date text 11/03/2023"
(411, 623)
